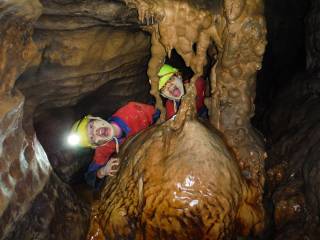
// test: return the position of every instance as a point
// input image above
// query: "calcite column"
(233, 84)
(158, 55)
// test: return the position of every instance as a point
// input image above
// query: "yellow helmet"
(79, 133)
(165, 73)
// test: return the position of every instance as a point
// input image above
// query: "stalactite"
(238, 30)
(157, 59)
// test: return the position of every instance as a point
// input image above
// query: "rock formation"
(51, 58)
(293, 137)
(177, 180)
(240, 39)
(59, 53)
(292, 167)
(237, 29)
(29, 188)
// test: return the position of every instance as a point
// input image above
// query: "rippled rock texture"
(176, 184)
(237, 29)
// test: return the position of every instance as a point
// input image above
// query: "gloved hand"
(109, 169)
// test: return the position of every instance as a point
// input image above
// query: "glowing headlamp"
(73, 139)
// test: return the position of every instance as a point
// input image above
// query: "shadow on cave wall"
(285, 54)
(287, 113)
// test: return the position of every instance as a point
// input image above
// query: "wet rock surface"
(54, 213)
(176, 184)
(63, 58)
(293, 145)
(52, 51)
(237, 29)
(34, 202)
(292, 167)
(84, 65)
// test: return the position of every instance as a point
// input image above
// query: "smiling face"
(173, 89)
(100, 131)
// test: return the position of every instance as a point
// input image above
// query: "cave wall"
(293, 163)
(49, 44)
(288, 114)
(31, 195)
(76, 52)
(284, 56)
(52, 52)
(312, 37)
(91, 59)
(72, 63)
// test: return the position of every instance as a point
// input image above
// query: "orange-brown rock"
(176, 184)
(238, 30)
(57, 52)
(80, 64)
(34, 203)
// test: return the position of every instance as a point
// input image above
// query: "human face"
(99, 131)
(174, 88)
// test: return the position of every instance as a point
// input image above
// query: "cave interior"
(63, 59)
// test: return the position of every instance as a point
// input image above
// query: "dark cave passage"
(68, 59)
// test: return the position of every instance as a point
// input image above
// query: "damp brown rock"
(183, 183)
(176, 184)
(237, 29)
(50, 71)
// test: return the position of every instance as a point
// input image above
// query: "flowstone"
(177, 180)
(238, 31)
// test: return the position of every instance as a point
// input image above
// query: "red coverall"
(131, 118)
(201, 108)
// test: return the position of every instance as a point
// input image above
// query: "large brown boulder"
(176, 184)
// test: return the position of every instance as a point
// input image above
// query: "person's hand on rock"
(110, 169)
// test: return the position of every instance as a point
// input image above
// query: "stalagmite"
(237, 28)
(177, 182)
